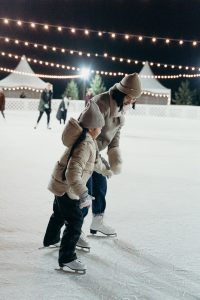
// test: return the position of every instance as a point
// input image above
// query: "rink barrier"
(168, 111)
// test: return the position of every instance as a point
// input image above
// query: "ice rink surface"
(154, 206)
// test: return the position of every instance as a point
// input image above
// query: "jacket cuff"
(115, 160)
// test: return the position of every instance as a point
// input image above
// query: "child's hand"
(86, 200)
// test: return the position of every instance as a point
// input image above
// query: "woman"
(45, 105)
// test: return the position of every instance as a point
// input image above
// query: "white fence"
(172, 111)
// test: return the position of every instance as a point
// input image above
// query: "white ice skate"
(76, 266)
(83, 242)
(99, 225)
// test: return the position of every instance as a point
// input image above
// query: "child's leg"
(73, 221)
(56, 221)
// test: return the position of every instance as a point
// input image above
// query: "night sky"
(178, 19)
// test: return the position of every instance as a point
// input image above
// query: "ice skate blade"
(86, 249)
(49, 247)
(96, 231)
(71, 271)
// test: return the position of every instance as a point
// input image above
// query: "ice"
(154, 206)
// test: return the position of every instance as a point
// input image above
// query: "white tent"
(153, 91)
(23, 79)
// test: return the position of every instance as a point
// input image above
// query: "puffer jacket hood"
(71, 132)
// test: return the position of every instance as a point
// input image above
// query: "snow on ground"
(154, 206)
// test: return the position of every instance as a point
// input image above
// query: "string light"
(33, 25)
(105, 55)
(155, 94)
(46, 27)
(100, 33)
(81, 53)
(103, 72)
(39, 75)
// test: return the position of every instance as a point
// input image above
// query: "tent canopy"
(15, 80)
(150, 83)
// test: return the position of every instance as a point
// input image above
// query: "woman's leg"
(99, 190)
(48, 117)
(40, 116)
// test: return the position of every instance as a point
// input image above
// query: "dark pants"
(47, 111)
(97, 187)
(65, 211)
(3, 114)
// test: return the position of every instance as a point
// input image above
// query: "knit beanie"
(130, 85)
(91, 117)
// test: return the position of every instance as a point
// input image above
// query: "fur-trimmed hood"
(71, 132)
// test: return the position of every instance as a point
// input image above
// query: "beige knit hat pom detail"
(92, 117)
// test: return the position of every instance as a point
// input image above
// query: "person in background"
(88, 96)
(113, 105)
(45, 104)
(22, 95)
(62, 110)
(2, 102)
(68, 184)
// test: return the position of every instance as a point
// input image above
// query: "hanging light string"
(38, 74)
(144, 92)
(89, 54)
(112, 35)
(100, 72)
(57, 65)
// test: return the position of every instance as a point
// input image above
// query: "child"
(68, 184)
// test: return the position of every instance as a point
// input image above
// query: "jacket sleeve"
(76, 167)
(101, 166)
(114, 154)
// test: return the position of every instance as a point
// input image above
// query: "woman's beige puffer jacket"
(84, 161)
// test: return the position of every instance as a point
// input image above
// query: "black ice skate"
(53, 246)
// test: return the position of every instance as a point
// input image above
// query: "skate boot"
(99, 225)
(56, 245)
(76, 265)
(83, 242)
(48, 127)
(35, 127)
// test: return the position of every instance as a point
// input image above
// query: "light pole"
(85, 73)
